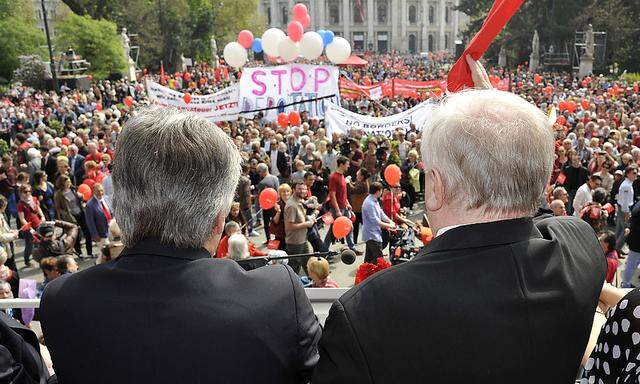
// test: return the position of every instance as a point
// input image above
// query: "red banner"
(392, 88)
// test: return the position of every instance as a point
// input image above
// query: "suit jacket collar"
(153, 246)
(484, 235)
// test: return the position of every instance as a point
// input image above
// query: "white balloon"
(339, 50)
(311, 45)
(235, 55)
(270, 40)
(288, 50)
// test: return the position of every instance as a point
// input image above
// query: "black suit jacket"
(20, 360)
(503, 302)
(78, 169)
(164, 315)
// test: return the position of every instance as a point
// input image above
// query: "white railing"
(320, 298)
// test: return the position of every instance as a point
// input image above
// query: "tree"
(97, 41)
(558, 20)
(19, 35)
(168, 29)
(32, 72)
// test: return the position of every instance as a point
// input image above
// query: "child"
(318, 271)
(608, 243)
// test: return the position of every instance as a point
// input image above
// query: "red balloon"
(563, 106)
(341, 227)
(299, 10)
(99, 107)
(187, 98)
(89, 182)
(548, 90)
(295, 31)
(571, 106)
(128, 101)
(65, 141)
(294, 118)
(245, 38)
(268, 198)
(305, 21)
(392, 174)
(561, 120)
(283, 120)
(585, 104)
(85, 190)
(203, 81)
(537, 78)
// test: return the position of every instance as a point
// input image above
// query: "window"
(382, 11)
(359, 11)
(412, 43)
(446, 41)
(412, 14)
(285, 16)
(432, 12)
(447, 10)
(430, 43)
(269, 15)
(334, 12)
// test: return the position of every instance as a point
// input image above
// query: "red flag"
(561, 178)
(501, 12)
(163, 79)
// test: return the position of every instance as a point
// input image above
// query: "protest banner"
(392, 88)
(267, 87)
(340, 120)
(219, 106)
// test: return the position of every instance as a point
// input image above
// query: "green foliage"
(19, 35)
(558, 20)
(97, 41)
(169, 28)
(32, 72)
(4, 147)
(57, 126)
(631, 77)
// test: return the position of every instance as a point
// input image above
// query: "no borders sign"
(266, 87)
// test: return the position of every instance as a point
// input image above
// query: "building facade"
(379, 25)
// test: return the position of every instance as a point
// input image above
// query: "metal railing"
(320, 298)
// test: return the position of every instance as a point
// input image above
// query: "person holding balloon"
(338, 203)
(68, 201)
(374, 221)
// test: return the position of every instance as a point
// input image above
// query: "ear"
(218, 229)
(434, 190)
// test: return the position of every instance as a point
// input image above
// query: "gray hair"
(493, 150)
(175, 174)
(238, 247)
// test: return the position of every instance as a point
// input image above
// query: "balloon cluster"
(274, 43)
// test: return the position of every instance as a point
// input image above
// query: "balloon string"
(288, 105)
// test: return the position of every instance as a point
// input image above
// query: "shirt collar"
(441, 231)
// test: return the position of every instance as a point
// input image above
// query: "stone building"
(379, 25)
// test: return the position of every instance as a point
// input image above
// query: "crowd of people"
(57, 188)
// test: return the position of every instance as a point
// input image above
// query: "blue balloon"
(257, 45)
(322, 33)
(327, 38)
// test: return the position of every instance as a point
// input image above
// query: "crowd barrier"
(320, 298)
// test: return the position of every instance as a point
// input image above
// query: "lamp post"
(46, 30)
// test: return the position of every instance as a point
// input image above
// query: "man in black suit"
(76, 165)
(165, 311)
(497, 296)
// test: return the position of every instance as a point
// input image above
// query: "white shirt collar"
(441, 231)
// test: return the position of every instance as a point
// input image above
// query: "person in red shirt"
(30, 216)
(337, 200)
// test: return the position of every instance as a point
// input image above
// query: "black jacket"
(20, 360)
(503, 302)
(164, 315)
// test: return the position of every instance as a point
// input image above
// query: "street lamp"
(46, 30)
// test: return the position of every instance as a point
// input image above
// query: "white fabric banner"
(265, 87)
(219, 106)
(340, 120)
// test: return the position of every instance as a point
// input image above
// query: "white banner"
(265, 87)
(219, 106)
(340, 120)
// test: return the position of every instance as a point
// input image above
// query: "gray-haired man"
(165, 311)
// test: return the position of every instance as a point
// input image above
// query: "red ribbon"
(500, 13)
